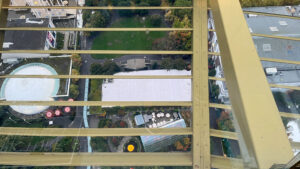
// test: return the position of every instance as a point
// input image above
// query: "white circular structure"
(30, 89)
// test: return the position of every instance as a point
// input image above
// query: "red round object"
(70, 100)
(49, 114)
(57, 112)
(67, 109)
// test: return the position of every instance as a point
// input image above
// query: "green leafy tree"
(215, 91)
(86, 15)
(74, 91)
(138, 1)
(171, 2)
(155, 20)
(109, 67)
(75, 72)
(126, 13)
(92, 2)
(183, 12)
(212, 72)
(115, 2)
(99, 144)
(142, 12)
(154, 66)
(67, 144)
(60, 37)
(76, 61)
(105, 123)
(97, 19)
(154, 2)
(179, 64)
(96, 69)
(166, 64)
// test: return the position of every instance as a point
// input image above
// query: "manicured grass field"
(126, 40)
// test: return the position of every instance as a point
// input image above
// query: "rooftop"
(24, 39)
(148, 89)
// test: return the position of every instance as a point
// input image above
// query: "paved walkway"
(66, 40)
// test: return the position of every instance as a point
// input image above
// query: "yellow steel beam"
(269, 14)
(3, 20)
(216, 78)
(267, 59)
(272, 15)
(220, 106)
(96, 159)
(111, 159)
(275, 37)
(213, 53)
(285, 87)
(280, 60)
(98, 7)
(125, 52)
(91, 29)
(290, 115)
(248, 88)
(228, 107)
(103, 132)
(201, 139)
(226, 163)
(93, 132)
(268, 36)
(99, 76)
(271, 85)
(223, 134)
(95, 103)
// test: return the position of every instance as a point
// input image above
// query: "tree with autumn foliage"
(75, 72)
(225, 121)
(178, 146)
(76, 61)
(179, 19)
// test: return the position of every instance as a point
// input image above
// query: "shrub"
(155, 20)
(154, 2)
(74, 91)
(212, 72)
(142, 12)
(96, 69)
(126, 13)
(60, 40)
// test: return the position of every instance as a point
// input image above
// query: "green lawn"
(126, 40)
(95, 95)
